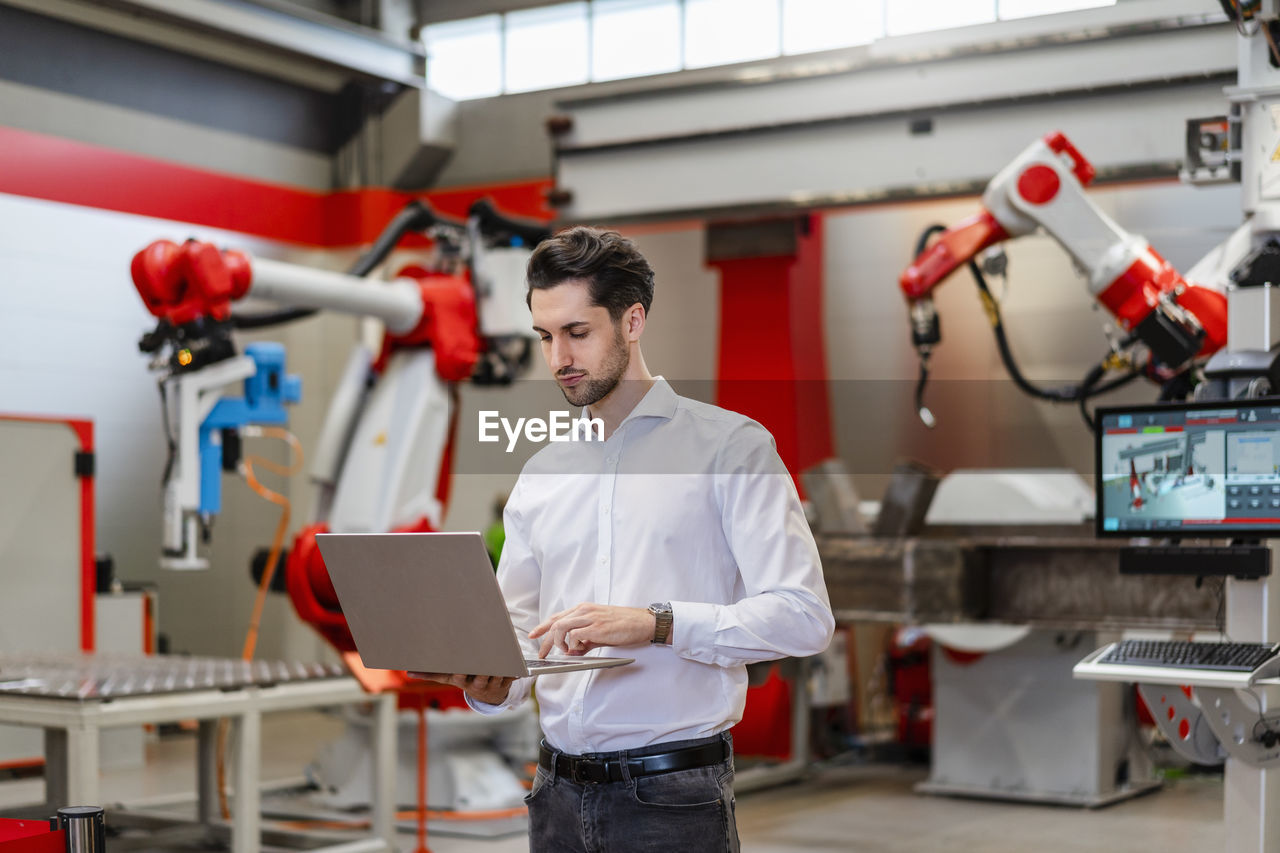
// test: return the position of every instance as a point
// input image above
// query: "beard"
(592, 389)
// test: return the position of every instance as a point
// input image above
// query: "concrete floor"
(863, 808)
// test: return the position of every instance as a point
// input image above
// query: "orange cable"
(490, 814)
(408, 814)
(264, 585)
(282, 528)
(422, 779)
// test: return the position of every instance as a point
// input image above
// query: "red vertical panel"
(772, 363)
(772, 367)
(756, 371)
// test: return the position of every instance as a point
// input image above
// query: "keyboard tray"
(1092, 669)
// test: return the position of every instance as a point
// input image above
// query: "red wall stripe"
(772, 367)
(37, 165)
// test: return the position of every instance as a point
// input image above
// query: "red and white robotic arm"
(382, 459)
(1179, 322)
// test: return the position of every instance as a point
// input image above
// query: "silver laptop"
(429, 602)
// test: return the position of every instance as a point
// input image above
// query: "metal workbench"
(73, 697)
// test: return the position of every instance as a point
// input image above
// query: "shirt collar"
(658, 402)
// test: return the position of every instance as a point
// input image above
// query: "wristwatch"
(662, 622)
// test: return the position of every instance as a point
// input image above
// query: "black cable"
(1090, 386)
(272, 318)
(414, 216)
(921, 408)
(922, 346)
(1068, 394)
(493, 222)
(1104, 388)
(923, 242)
(168, 434)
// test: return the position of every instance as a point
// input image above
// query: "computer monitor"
(1203, 470)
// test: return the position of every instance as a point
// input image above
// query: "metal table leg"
(207, 771)
(82, 765)
(55, 767)
(247, 820)
(384, 769)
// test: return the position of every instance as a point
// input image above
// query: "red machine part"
(181, 283)
(911, 686)
(1137, 291)
(316, 602)
(949, 252)
(31, 836)
(448, 324)
(311, 591)
(1082, 168)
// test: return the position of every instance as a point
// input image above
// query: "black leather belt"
(595, 771)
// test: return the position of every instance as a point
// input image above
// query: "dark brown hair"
(616, 273)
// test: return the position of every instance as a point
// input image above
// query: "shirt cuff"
(693, 629)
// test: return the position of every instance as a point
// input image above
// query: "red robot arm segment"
(956, 247)
(448, 323)
(183, 283)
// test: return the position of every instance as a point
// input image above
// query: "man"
(679, 541)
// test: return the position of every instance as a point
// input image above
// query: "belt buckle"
(584, 772)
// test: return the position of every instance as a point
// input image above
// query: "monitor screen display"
(1189, 469)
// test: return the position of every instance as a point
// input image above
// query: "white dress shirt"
(685, 502)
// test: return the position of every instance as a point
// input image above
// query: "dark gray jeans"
(687, 810)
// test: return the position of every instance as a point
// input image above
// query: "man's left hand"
(580, 629)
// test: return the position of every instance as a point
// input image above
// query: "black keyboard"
(1231, 657)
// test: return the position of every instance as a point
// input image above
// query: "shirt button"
(611, 460)
(604, 560)
(606, 510)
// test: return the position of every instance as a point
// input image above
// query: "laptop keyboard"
(542, 664)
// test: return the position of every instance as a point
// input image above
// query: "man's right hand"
(489, 689)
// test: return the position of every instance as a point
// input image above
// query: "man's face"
(584, 348)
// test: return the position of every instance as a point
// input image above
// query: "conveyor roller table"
(72, 696)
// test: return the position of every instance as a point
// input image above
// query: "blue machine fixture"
(265, 394)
